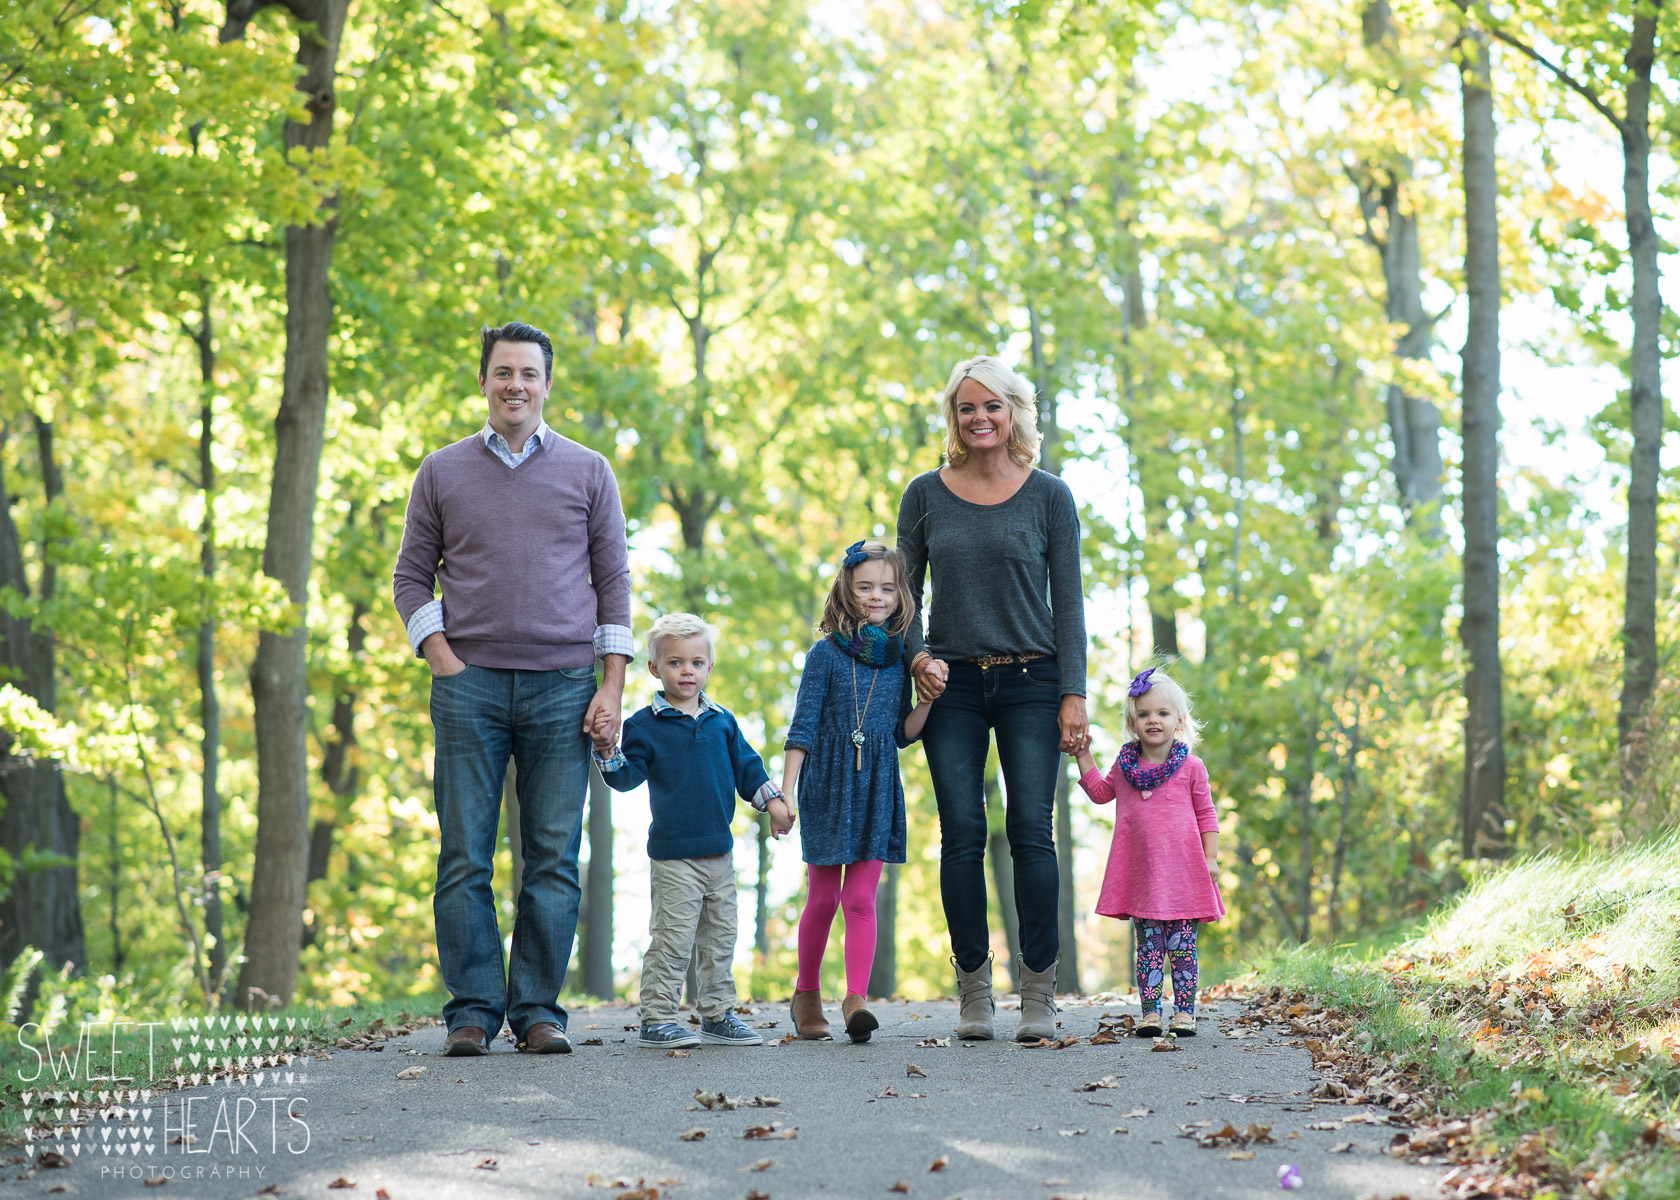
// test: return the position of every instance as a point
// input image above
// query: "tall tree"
(1606, 47)
(279, 683)
(1483, 812)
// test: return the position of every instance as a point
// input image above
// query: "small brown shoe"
(469, 1041)
(860, 1022)
(545, 1037)
(808, 1019)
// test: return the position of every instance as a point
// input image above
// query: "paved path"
(1004, 1121)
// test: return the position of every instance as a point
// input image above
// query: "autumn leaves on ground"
(1532, 1029)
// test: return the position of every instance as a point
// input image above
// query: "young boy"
(691, 754)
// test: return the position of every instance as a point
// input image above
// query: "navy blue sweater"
(694, 768)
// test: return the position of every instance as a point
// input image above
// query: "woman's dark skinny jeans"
(1020, 701)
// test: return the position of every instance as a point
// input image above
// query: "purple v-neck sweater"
(531, 559)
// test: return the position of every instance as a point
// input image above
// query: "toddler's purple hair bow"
(855, 553)
(1140, 683)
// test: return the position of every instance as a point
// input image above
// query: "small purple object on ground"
(1289, 1176)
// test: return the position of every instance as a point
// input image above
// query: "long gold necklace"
(857, 732)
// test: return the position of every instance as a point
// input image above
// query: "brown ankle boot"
(808, 1019)
(860, 1022)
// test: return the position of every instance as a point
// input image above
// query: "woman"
(1004, 652)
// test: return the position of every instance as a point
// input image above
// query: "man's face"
(516, 386)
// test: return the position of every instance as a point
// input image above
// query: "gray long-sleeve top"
(1006, 577)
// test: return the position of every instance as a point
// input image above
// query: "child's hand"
(602, 739)
(781, 817)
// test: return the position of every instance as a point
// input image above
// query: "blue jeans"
(1020, 702)
(481, 717)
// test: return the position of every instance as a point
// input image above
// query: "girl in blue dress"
(856, 709)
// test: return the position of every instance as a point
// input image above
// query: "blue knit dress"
(847, 815)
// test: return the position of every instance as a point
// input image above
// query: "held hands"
(930, 676)
(782, 816)
(601, 733)
(1076, 730)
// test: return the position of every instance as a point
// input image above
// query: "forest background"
(245, 249)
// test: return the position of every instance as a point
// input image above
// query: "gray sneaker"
(667, 1035)
(727, 1030)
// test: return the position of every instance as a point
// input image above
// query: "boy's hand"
(781, 817)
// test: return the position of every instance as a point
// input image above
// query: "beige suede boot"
(1038, 1002)
(809, 1022)
(860, 1022)
(974, 993)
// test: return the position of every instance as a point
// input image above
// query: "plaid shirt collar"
(661, 706)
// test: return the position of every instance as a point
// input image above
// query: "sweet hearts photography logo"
(108, 1091)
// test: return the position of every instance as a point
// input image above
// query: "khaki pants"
(693, 914)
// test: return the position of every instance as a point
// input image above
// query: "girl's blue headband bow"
(855, 553)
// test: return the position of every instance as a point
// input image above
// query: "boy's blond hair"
(1189, 729)
(680, 625)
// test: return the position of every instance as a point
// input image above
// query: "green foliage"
(760, 234)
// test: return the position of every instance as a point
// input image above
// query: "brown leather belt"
(999, 660)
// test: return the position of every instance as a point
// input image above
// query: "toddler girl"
(853, 713)
(1163, 867)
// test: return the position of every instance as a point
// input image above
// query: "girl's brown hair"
(841, 613)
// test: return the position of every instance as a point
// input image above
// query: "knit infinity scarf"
(1147, 778)
(871, 645)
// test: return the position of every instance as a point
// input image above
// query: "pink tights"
(856, 897)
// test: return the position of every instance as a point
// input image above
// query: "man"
(524, 530)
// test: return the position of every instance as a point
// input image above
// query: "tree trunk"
(43, 907)
(1483, 809)
(1414, 422)
(1639, 621)
(883, 973)
(279, 684)
(209, 705)
(598, 902)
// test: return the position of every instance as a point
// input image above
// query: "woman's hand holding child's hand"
(781, 817)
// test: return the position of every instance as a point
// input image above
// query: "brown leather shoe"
(809, 1022)
(545, 1037)
(860, 1022)
(469, 1041)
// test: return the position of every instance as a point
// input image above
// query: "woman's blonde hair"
(841, 612)
(1007, 385)
(1189, 729)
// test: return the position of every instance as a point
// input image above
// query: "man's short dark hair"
(514, 331)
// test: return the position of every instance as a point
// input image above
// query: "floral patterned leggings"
(1157, 943)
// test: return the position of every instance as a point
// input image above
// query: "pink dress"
(1155, 867)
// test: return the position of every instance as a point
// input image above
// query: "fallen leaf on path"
(272, 1189)
(52, 1158)
(900, 1186)
(679, 1054)
(1325, 1125)
(723, 1103)
(1164, 1045)
(411, 1073)
(787, 1039)
(488, 1164)
(1106, 1082)
(1120, 1129)
(382, 1194)
(1138, 1112)
(1050, 1043)
(1072, 1132)
(641, 1193)
(940, 1163)
(590, 1042)
(755, 1194)
(773, 1130)
(912, 1070)
(887, 1093)
(691, 1135)
(1242, 1155)
(154, 1181)
(341, 1182)
(601, 1181)
(763, 1164)
(931, 1042)
(1341, 1148)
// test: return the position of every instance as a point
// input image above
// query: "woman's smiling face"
(983, 417)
